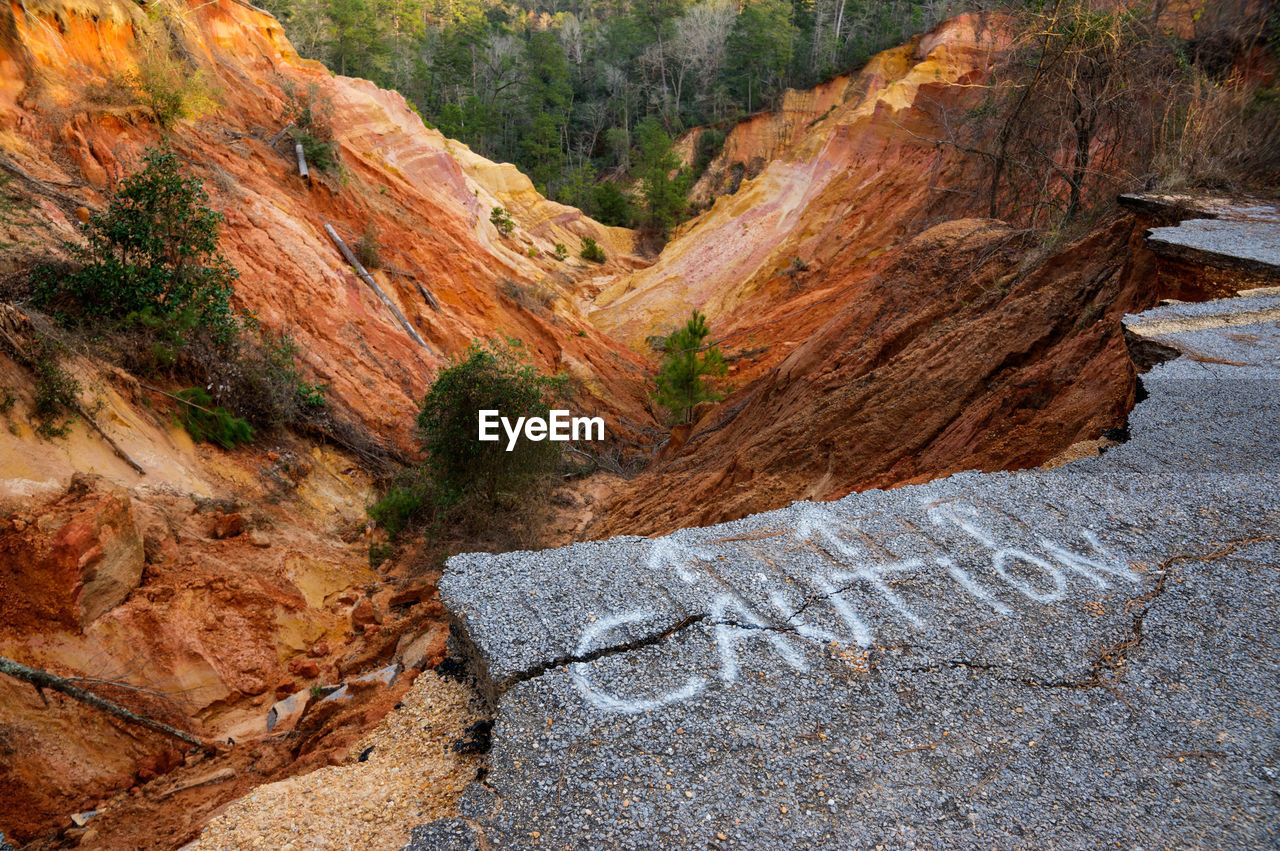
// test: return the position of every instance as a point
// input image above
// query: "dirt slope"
(427, 198)
(999, 367)
(220, 582)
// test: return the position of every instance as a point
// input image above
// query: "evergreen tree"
(688, 364)
(576, 191)
(358, 46)
(612, 206)
(548, 94)
(662, 191)
(760, 48)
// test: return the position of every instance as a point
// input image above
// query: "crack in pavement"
(601, 653)
(1110, 658)
(1113, 657)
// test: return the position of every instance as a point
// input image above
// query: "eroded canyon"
(881, 330)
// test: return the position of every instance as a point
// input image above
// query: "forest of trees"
(573, 90)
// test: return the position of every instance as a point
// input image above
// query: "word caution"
(1046, 568)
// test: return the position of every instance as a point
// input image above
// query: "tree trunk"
(1006, 132)
(835, 40)
(1084, 140)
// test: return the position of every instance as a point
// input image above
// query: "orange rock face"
(877, 334)
(214, 629)
(229, 603)
(997, 368)
(426, 198)
(70, 564)
(852, 177)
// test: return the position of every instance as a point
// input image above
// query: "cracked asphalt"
(1235, 232)
(1073, 657)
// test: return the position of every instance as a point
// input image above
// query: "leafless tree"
(572, 39)
(697, 47)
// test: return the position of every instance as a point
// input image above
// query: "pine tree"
(760, 49)
(684, 379)
(656, 161)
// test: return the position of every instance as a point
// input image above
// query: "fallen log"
(302, 160)
(14, 169)
(280, 135)
(364, 275)
(45, 680)
(110, 441)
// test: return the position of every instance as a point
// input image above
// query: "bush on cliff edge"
(477, 486)
(151, 285)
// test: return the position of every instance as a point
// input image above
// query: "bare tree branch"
(45, 680)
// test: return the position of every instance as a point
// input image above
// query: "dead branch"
(109, 440)
(363, 274)
(600, 461)
(44, 680)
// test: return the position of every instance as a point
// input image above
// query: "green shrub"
(56, 391)
(312, 395)
(153, 251)
(491, 496)
(688, 364)
(170, 90)
(502, 221)
(367, 250)
(259, 380)
(209, 424)
(152, 286)
(163, 81)
(410, 500)
(397, 509)
(493, 376)
(592, 251)
(311, 113)
(380, 552)
(562, 251)
(321, 155)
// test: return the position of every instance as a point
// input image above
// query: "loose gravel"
(412, 775)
